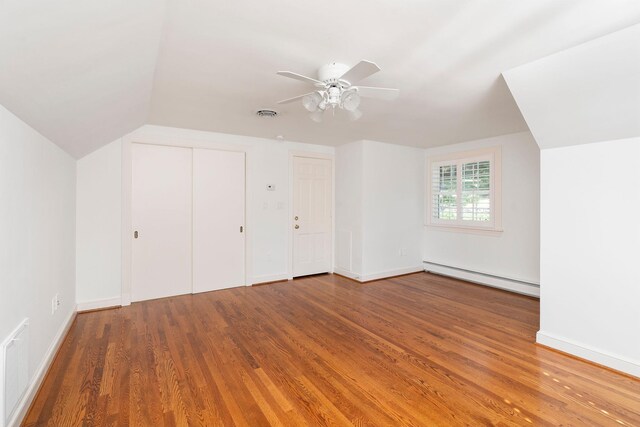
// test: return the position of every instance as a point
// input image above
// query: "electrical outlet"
(55, 303)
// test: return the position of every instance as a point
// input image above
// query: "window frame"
(491, 154)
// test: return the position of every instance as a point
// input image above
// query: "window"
(464, 190)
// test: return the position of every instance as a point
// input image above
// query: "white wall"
(590, 252)
(515, 252)
(37, 230)
(349, 200)
(267, 211)
(98, 226)
(393, 208)
(581, 98)
(379, 207)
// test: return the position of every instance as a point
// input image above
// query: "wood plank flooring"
(418, 350)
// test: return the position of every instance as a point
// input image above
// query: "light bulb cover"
(350, 101)
(311, 102)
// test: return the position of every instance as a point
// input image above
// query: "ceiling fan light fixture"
(312, 102)
(350, 101)
(334, 93)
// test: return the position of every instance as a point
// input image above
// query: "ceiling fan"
(335, 87)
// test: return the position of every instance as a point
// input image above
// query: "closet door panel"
(161, 219)
(218, 219)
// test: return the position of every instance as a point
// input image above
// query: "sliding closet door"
(161, 218)
(218, 219)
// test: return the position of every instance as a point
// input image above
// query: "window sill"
(468, 230)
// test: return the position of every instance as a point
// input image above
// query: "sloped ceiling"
(79, 71)
(84, 72)
(589, 93)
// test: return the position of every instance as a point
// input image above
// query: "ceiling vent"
(267, 113)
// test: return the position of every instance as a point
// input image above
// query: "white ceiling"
(84, 72)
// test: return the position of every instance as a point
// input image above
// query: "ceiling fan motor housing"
(330, 73)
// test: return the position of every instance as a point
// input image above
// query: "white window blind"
(444, 190)
(476, 191)
(464, 191)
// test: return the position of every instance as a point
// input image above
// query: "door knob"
(135, 234)
(297, 226)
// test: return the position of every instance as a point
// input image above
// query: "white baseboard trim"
(25, 403)
(391, 273)
(97, 304)
(379, 275)
(125, 300)
(347, 273)
(628, 366)
(521, 287)
(269, 278)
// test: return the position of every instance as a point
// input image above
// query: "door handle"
(297, 226)
(135, 234)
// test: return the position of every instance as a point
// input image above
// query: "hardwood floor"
(419, 350)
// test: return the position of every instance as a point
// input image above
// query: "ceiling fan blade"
(385, 93)
(300, 77)
(361, 70)
(295, 98)
(354, 115)
(317, 116)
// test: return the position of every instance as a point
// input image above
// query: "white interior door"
(218, 219)
(312, 210)
(161, 218)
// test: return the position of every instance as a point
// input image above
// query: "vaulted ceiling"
(85, 72)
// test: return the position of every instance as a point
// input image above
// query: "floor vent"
(14, 361)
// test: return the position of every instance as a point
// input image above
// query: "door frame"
(311, 155)
(127, 199)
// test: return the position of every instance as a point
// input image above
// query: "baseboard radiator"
(509, 284)
(14, 361)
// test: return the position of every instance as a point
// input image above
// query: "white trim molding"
(583, 351)
(347, 273)
(268, 278)
(378, 276)
(509, 284)
(390, 273)
(98, 304)
(34, 385)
